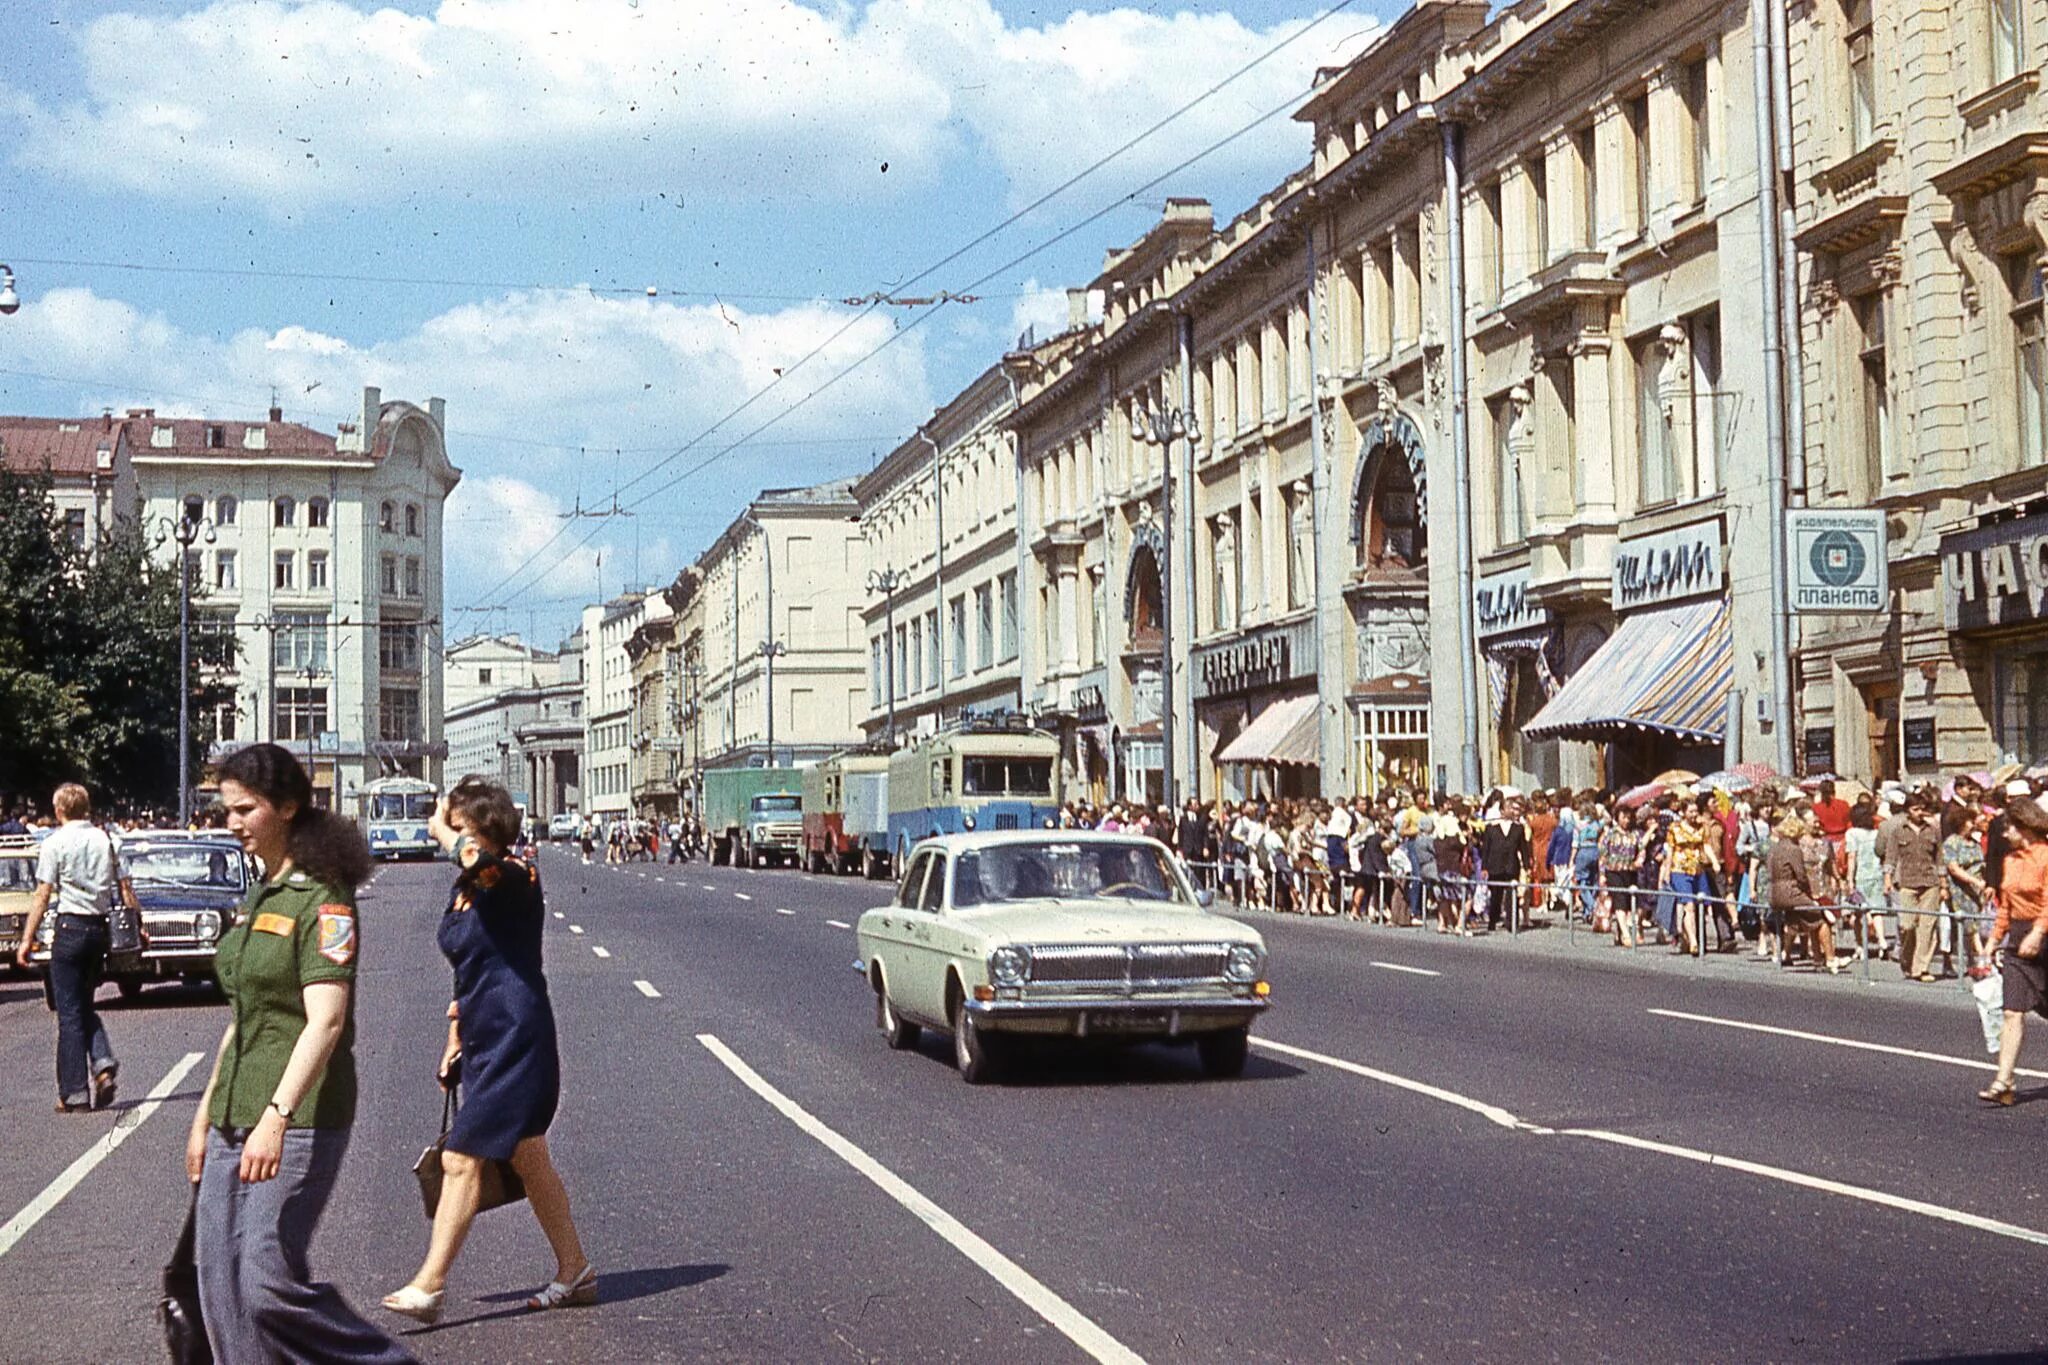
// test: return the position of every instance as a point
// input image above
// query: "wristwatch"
(279, 1110)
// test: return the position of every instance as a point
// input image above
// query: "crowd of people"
(633, 839)
(1808, 876)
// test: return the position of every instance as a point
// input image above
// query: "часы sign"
(1996, 575)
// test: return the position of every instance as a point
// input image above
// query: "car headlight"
(206, 924)
(967, 821)
(1242, 963)
(1010, 966)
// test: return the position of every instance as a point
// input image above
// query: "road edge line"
(1857, 1044)
(1069, 1321)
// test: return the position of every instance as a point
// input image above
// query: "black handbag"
(178, 1309)
(500, 1184)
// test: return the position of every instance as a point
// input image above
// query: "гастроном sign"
(1996, 575)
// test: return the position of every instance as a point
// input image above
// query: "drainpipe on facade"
(1186, 332)
(1461, 461)
(1024, 635)
(1330, 670)
(1774, 388)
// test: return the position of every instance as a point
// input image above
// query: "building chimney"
(373, 407)
(1077, 308)
(106, 419)
(276, 413)
(437, 408)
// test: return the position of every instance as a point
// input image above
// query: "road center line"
(560, 915)
(575, 928)
(1705, 1158)
(1856, 1043)
(1076, 1326)
(780, 911)
(838, 924)
(741, 895)
(1412, 971)
(53, 1193)
(600, 950)
(646, 988)
(709, 887)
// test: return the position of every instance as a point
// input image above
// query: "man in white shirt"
(76, 867)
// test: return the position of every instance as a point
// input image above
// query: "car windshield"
(1077, 871)
(219, 868)
(402, 805)
(1006, 776)
(17, 874)
(779, 805)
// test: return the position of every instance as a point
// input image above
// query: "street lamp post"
(186, 531)
(771, 650)
(1162, 427)
(885, 582)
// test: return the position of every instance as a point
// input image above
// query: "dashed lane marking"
(1507, 1120)
(575, 928)
(560, 915)
(709, 887)
(1071, 1323)
(53, 1193)
(646, 988)
(741, 895)
(838, 924)
(780, 911)
(1412, 971)
(1857, 1043)
(600, 950)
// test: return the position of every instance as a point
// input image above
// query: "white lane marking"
(1814, 1182)
(600, 950)
(575, 928)
(741, 895)
(1858, 1044)
(658, 877)
(1076, 1326)
(1412, 971)
(838, 924)
(709, 887)
(780, 911)
(53, 1193)
(1705, 1158)
(646, 988)
(560, 915)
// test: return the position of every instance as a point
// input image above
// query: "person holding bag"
(2020, 937)
(501, 1035)
(270, 1132)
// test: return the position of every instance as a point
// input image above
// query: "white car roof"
(960, 843)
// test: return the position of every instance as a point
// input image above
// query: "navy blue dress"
(511, 1071)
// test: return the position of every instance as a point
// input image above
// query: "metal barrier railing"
(1268, 886)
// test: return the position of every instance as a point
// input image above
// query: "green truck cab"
(754, 816)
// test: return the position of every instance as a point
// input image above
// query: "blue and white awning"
(1667, 671)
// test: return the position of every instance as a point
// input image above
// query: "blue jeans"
(255, 1288)
(78, 963)
(1586, 873)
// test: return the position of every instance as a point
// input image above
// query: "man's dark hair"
(485, 809)
(325, 846)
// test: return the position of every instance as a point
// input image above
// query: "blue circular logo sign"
(1837, 558)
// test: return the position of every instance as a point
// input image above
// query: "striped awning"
(1286, 732)
(1666, 671)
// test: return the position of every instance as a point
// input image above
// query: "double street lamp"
(186, 531)
(886, 582)
(1162, 427)
(770, 651)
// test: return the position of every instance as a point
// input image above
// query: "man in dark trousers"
(1195, 844)
(1503, 858)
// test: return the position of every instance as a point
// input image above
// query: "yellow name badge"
(281, 925)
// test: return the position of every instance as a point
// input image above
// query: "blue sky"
(530, 168)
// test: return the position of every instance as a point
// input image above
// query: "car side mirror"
(1205, 898)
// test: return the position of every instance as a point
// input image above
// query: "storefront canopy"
(1287, 732)
(1667, 671)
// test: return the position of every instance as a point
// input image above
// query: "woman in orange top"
(2021, 931)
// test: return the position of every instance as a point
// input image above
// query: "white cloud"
(522, 521)
(1042, 310)
(297, 105)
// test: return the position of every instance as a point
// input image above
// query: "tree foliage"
(89, 658)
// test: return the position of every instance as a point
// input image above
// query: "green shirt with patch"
(291, 933)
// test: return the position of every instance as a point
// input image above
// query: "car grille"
(1006, 822)
(1141, 964)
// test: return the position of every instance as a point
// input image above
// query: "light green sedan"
(1061, 934)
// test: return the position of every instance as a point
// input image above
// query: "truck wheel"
(975, 1053)
(1223, 1053)
(897, 1032)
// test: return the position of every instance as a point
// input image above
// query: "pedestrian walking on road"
(501, 1037)
(2020, 932)
(268, 1137)
(77, 869)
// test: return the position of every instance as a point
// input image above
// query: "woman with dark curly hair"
(2020, 938)
(501, 1036)
(269, 1134)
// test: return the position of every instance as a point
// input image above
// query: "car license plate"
(1127, 1021)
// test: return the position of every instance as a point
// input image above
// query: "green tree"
(89, 658)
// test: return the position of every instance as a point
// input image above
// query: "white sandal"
(416, 1304)
(580, 1294)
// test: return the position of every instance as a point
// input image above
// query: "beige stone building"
(1921, 134)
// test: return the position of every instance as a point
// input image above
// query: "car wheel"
(898, 1032)
(975, 1053)
(129, 988)
(1223, 1054)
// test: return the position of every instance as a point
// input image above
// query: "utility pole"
(885, 582)
(186, 531)
(1162, 428)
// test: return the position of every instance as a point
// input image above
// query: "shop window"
(2021, 682)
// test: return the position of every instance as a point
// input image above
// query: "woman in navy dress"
(501, 1035)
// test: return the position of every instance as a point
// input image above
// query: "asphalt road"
(1441, 1149)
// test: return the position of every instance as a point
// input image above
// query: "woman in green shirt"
(267, 1141)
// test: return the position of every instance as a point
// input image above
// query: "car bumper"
(1117, 1016)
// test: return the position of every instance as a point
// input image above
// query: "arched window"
(195, 509)
(223, 511)
(316, 511)
(412, 518)
(282, 512)
(385, 514)
(1392, 533)
(1144, 602)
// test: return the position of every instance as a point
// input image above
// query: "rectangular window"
(1292, 507)
(299, 641)
(299, 713)
(1696, 99)
(224, 569)
(1657, 461)
(2030, 336)
(1561, 458)
(1380, 300)
(902, 660)
(1098, 617)
(387, 575)
(1703, 333)
(316, 569)
(1876, 391)
(1410, 238)
(800, 634)
(931, 648)
(1507, 476)
(213, 640)
(398, 648)
(1538, 171)
(1492, 243)
(282, 577)
(195, 577)
(412, 577)
(1636, 118)
(1254, 577)
(316, 513)
(74, 525)
(984, 627)
(1862, 64)
(956, 666)
(2008, 39)
(224, 511)
(875, 672)
(225, 721)
(1586, 141)
(1007, 635)
(915, 682)
(398, 715)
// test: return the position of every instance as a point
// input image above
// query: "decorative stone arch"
(1390, 435)
(1148, 553)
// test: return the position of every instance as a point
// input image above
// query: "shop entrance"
(1881, 717)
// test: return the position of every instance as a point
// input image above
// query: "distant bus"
(979, 777)
(396, 810)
